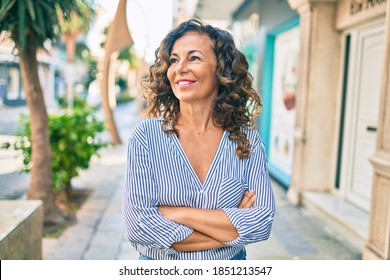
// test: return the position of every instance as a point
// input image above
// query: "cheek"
(213, 78)
(170, 75)
(212, 73)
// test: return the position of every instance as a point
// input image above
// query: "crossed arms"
(211, 227)
(169, 228)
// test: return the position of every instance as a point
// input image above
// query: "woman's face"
(192, 71)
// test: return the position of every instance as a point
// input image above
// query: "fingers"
(248, 200)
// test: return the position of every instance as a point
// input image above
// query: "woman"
(197, 185)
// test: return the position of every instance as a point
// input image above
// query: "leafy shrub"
(78, 102)
(74, 139)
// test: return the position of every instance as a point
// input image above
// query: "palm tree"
(31, 23)
(70, 30)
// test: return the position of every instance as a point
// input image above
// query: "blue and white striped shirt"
(159, 173)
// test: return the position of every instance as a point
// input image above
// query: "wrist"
(180, 214)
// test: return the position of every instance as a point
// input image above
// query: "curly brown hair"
(237, 102)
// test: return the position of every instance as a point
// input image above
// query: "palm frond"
(22, 25)
(30, 8)
(41, 23)
(40, 20)
(6, 6)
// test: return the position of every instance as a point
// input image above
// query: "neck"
(196, 120)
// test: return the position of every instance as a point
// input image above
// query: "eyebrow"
(190, 52)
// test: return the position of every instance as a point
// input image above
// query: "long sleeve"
(144, 224)
(254, 224)
(158, 173)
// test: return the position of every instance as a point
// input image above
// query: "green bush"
(74, 139)
(78, 102)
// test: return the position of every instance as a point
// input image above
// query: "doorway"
(360, 120)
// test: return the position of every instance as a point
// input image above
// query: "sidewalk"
(10, 160)
(13, 184)
(9, 116)
(99, 232)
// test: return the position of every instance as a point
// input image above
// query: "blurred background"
(321, 68)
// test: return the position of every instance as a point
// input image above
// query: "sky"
(148, 20)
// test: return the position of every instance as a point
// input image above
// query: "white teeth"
(183, 83)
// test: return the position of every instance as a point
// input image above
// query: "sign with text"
(350, 12)
(360, 6)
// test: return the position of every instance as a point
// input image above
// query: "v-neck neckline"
(213, 162)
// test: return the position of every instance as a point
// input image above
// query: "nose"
(181, 66)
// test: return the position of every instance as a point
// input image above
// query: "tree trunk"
(41, 176)
(70, 45)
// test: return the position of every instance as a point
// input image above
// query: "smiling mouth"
(185, 83)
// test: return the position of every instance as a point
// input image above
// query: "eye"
(194, 58)
(173, 60)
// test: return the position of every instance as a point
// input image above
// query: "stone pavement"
(98, 233)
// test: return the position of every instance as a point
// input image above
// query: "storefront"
(340, 166)
(269, 32)
(363, 46)
(280, 76)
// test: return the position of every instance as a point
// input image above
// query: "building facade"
(270, 38)
(51, 66)
(322, 70)
(341, 166)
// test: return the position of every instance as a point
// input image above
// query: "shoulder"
(258, 152)
(149, 124)
(145, 129)
(253, 135)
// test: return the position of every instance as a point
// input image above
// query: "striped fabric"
(159, 173)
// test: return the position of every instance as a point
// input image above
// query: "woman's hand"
(173, 213)
(212, 223)
(248, 199)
